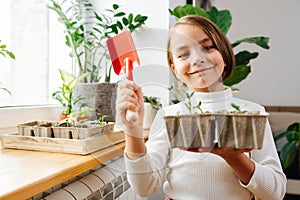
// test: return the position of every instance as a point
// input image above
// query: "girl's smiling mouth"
(201, 69)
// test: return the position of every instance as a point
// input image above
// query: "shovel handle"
(131, 116)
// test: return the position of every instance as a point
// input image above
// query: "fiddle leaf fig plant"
(4, 52)
(289, 150)
(223, 19)
(86, 31)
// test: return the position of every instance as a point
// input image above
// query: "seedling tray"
(63, 145)
(233, 130)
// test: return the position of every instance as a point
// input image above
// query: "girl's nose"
(198, 56)
(197, 60)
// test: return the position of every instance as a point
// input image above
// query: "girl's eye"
(184, 55)
(208, 48)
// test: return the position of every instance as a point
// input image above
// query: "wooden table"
(24, 174)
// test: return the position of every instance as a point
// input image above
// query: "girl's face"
(196, 61)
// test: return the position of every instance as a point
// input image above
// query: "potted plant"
(151, 105)
(86, 32)
(223, 18)
(4, 52)
(291, 150)
(83, 113)
(65, 94)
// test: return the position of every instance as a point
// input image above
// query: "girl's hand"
(130, 97)
(225, 153)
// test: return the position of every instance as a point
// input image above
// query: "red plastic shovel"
(123, 55)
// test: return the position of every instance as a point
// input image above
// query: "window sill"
(11, 116)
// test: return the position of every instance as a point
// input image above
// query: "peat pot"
(233, 130)
(53, 129)
(37, 128)
(81, 132)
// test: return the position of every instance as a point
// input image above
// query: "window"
(34, 35)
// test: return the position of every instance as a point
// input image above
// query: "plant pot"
(81, 132)
(101, 97)
(149, 115)
(63, 116)
(240, 131)
(83, 118)
(36, 128)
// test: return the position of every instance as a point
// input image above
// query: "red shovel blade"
(121, 47)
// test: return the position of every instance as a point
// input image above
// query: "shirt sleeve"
(268, 180)
(146, 174)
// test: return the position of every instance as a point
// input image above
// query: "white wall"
(150, 41)
(157, 10)
(275, 73)
(274, 77)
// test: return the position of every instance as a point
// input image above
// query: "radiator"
(106, 182)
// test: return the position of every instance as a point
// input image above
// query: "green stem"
(75, 53)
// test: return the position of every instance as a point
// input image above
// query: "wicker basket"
(233, 130)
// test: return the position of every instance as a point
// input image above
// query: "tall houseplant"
(4, 52)
(223, 19)
(86, 32)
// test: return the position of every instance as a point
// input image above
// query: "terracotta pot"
(63, 116)
(83, 118)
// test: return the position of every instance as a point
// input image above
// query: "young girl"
(200, 56)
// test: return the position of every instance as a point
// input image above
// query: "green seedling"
(154, 101)
(236, 107)
(187, 101)
(102, 118)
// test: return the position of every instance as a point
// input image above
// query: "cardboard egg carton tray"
(240, 131)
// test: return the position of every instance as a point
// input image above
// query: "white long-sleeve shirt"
(194, 176)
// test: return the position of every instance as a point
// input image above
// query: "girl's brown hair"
(218, 38)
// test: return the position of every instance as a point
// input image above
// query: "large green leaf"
(77, 80)
(181, 11)
(66, 77)
(288, 153)
(294, 127)
(221, 18)
(244, 57)
(293, 135)
(240, 73)
(260, 41)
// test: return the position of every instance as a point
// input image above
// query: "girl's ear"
(172, 67)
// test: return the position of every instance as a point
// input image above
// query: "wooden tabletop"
(24, 174)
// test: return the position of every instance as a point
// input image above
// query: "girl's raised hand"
(130, 97)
